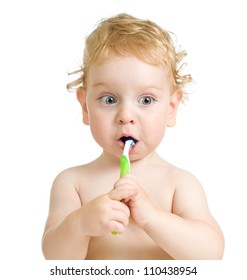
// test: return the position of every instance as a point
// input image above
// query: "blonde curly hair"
(125, 35)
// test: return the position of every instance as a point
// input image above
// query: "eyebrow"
(142, 88)
(100, 84)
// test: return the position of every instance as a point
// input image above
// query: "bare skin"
(183, 227)
(159, 210)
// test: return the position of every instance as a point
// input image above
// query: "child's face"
(125, 96)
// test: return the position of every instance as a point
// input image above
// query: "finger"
(123, 193)
(129, 176)
(124, 209)
(120, 207)
(120, 217)
(127, 180)
(116, 227)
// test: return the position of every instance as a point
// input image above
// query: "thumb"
(120, 194)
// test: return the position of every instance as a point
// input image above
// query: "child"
(130, 86)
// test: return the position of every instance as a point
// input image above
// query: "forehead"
(127, 70)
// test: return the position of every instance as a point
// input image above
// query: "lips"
(121, 142)
(126, 138)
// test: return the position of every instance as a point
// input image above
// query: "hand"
(141, 207)
(106, 213)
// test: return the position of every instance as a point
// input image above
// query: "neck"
(110, 161)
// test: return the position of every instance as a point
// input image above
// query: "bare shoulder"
(190, 199)
(180, 178)
(189, 195)
(68, 177)
(64, 197)
(184, 180)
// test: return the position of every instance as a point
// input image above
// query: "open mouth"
(126, 138)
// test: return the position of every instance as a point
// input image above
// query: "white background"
(41, 128)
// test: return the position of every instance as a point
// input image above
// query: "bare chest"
(160, 190)
(133, 244)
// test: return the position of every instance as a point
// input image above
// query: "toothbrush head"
(132, 144)
(133, 141)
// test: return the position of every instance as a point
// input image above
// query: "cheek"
(157, 126)
(97, 126)
(101, 128)
(157, 133)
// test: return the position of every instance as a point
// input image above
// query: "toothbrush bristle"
(132, 144)
(133, 141)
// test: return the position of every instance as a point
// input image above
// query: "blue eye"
(108, 99)
(146, 100)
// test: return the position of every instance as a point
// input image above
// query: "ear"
(175, 100)
(81, 97)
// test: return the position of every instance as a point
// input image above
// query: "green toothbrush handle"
(124, 169)
(124, 166)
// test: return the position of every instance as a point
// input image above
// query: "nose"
(126, 115)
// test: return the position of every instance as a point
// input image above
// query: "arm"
(63, 237)
(70, 224)
(184, 238)
(189, 232)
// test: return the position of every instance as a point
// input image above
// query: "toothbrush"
(125, 162)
